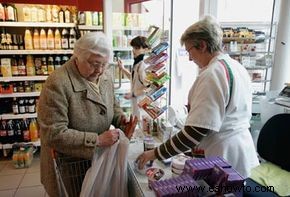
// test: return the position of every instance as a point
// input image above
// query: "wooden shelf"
(24, 78)
(36, 24)
(18, 116)
(20, 94)
(35, 52)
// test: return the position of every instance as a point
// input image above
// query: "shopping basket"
(70, 173)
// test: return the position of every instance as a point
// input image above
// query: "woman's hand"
(144, 158)
(129, 126)
(120, 64)
(108, 138)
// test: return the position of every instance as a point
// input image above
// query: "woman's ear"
(203, 46)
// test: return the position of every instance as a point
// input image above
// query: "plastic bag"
(108, 174)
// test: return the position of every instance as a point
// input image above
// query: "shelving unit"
(36, 24)
(20, 94)
(35, 52)
(17, 116)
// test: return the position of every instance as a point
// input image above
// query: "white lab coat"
(208, 98)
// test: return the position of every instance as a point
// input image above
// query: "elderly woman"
(219, 104)
(77, 106)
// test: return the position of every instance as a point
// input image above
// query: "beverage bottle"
(3, 40)
(44, 66)
(72, 38)
(21, 158)
(37, 62)
(31, 106)
(95, 18)
(82, 18)
(67, 15)
(10, 13)
(3, 132)
(15, 107)
(20, 42)
(30, 68)
(21, 106)
(57, 39)
(57, 62)
(28, 40)
(10, 132)
(17, 131)
(50, 39)
(21, 66)
(41, 14)
(54, 13)
(48, 14)
(26, 14)
(2, 12)
(9, 44)
(34, 14)
(14, 41)
(64, 59)
(26, 105)
(100, 18)
(88, 15)
(33, 130)
(61, 15)
(43, 42)
(25, 131)
(64, 39)
(14, 66)
(50, 66)
(36, 43)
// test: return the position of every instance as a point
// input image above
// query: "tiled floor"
(20, 182)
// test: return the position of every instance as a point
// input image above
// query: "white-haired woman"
(219, 104)
(77, 106)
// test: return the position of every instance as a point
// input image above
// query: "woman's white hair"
(92, 42)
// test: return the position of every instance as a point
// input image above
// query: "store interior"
(37, 37)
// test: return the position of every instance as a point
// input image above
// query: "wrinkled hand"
(129, 126)
(144, 158)
(109, 137)
(120, 64)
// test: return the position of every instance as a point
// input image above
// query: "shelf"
(24, 78)
(86, 27)
(18, 116)
(122, 48)
(36, 24)
(131, 28)
(258, 68)
(36, 52)
(246, 24)
(260, 81)
(251, 53)
(20, 94)
(9, 146)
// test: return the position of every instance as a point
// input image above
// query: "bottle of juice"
(33, 130)
(43, 42)
(50, 39)
(36, 44)
(50, 66)
(30, 68)
(28, 40)
(57, 39)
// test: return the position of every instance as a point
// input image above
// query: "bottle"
(50, 39)
(50, 66)
(10, 13)
(88, 15)
(64, 39)
(14, 42)
(31, 106)
(3, 132)
(48, 14)
(61, 15)
(26, 105)
(57, 63)
(21, 106)
(20, 42)
(37, 63)
(67, 15)
(57, 39)
(14, 66)
(2, 12)
(36, 43)
(100, 18)
(28, 40)
(10, 132)
(64, 59)
(95, 18)
(72, 38)
(82, 18)
(41, 14)
(21, 66)
(54, 13)
(34, 14)
(42, 39)
(17, 131)
(9, 44)
(26, 14)
(30, 68)
(15, 107)
(44, 66)
(3, 40)
(25, 131)
(33, 130)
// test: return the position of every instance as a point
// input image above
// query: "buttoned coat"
(70, 115)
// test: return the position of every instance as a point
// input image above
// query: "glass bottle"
(25, 131)
(14, 41)
(9, 44)
(3, 132)
(44, 66)
(2, 12)
(72, 38)
(30, 68)
(50, 66)
(15, 108)
(50, 39)
(64, 39)
(33, 130)
(28, 40)
(14, 66)
(21, 106)
(31, 105)
(48, 14)
(20, 42)
(54, 13)
(10, 132)
(36, 43)
(26, 13)
(57, 63)
(37, 63)
(43, 39)
(67, 15)
(61, 15)
(21, 66)
(17, 131)
(57, 39)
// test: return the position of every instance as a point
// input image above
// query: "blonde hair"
(208, 30)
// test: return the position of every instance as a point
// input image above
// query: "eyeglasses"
(188, 50)
(98, 65)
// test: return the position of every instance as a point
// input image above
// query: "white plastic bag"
(108, 174)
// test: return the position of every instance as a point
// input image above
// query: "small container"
(154, 174)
